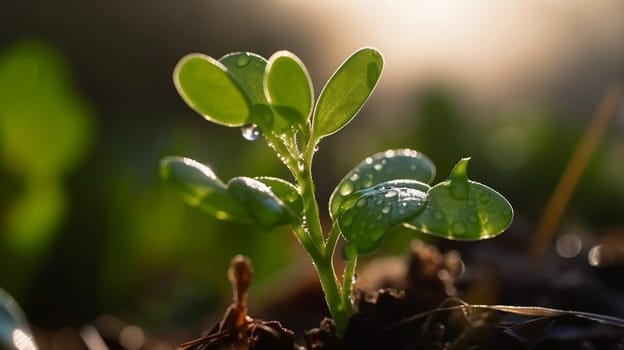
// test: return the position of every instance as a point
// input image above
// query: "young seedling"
(274, 98)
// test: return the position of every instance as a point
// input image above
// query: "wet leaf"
(247, 69)
(206, 86)
(261, 203)
(367, 215)
(461, 209)
(200, 187)
(288, 87)
(346, 92)
(381, 167)
(285, 191)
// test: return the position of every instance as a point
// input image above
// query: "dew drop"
(386, 209)
(389, 153)
(484, 198)
(250, 132)
(368, 160)
(458, 228)
(378, 166)
(316, 148)
(379, 200)
(242, 61)
(346, 188)
(438, 214)
(368, 181)
(361, 202)
(391, 193)
(355, 177)
(347, 220)
(292, 196)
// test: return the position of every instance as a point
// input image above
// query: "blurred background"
(87, 108)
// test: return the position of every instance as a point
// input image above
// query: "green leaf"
(285, 191)
(247, 69)
(261, 203)
(288, 87)
(367, 215)
(346, 92)
(461, 209)
(201, 188)
(205, 86)
(381, 167)
(243, 199)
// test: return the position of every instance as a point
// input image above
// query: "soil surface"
(422, 308)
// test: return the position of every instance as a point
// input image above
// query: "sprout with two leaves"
(274, 98)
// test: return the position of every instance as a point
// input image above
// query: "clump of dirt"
(237, 330)
(416, 309)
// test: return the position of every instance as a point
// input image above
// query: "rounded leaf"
(205, 86)
(381, 167)
(285, 191)
(247, 69)
(346, 92)
(261, 203)
(288, 87)
(200, 187)
(367, 215)
(461, 209)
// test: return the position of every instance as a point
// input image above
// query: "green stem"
(308, 193)
(347, 282)
(304, 238)
(332, 291)
(330, 244)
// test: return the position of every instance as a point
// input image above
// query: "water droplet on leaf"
(361, 202)
(389, 153)
(386, 209)
(355, 177)
(458, 228)
(242, 61)
(438, 214)
(346, 188)
(250, 132)
(347, 219)
(378, 166)
(391, 193)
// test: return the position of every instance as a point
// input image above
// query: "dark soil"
(422, 309)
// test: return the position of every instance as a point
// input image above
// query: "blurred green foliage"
(45, 130)
(85, 224)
